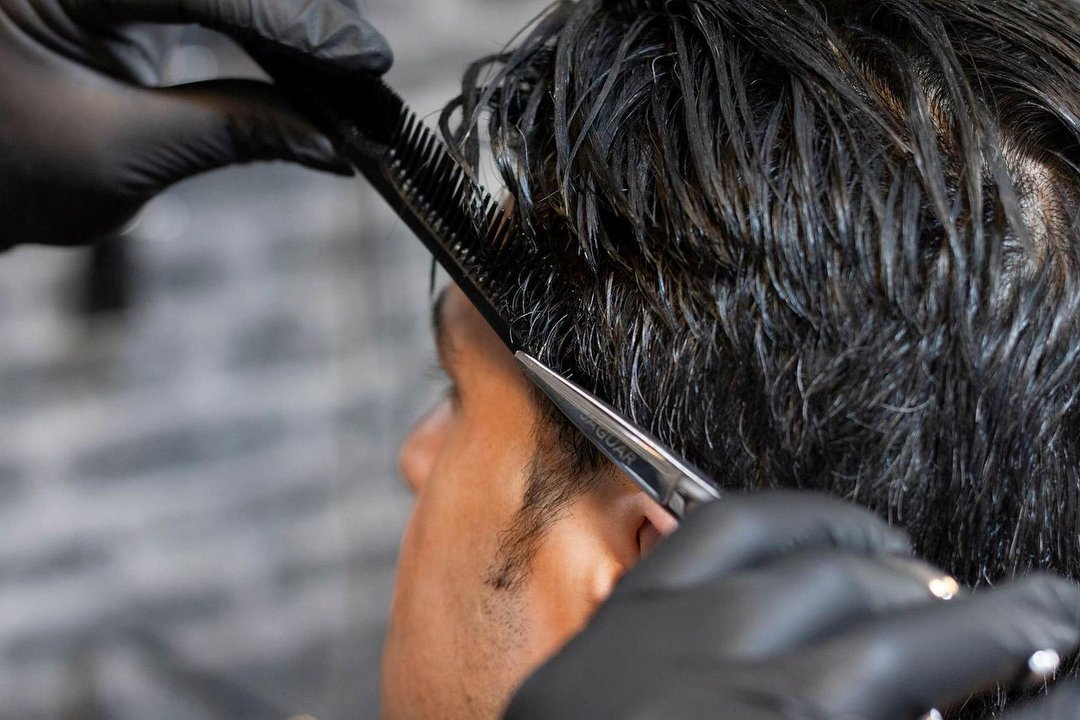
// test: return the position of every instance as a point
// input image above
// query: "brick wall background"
(199, 507)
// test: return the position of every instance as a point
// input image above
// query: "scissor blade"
(654, 468)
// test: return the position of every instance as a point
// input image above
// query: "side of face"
(457, 646)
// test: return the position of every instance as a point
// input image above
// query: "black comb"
(470, 234)
(456, 219)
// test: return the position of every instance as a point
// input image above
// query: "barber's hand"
(85, 137)
(793, 606)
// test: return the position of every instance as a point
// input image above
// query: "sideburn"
(559, 472)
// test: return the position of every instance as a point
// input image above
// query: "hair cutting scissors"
(667, 479)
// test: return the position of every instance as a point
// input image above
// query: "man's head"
(827, 245)
(817, 244)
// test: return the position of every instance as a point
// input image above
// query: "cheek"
(467, 485)
(448, 637)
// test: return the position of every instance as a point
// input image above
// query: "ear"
(603, 534)
(626, 523)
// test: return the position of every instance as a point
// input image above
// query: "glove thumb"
(194, 128)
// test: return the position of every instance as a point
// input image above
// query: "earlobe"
(604, 584)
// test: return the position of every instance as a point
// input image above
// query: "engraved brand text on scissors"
(609, 441)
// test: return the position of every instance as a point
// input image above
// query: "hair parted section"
(825, 245)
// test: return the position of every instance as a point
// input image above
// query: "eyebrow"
(443, 344)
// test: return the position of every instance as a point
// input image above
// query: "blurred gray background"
(199, 503)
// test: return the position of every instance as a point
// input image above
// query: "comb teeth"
(460, 223)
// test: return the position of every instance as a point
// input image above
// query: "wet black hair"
(826, 245)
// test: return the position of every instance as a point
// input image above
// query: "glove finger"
(325, 30)
(1061, 703)
(931, 656)
(740, 531)
(190, 129)
(138, 52)
(801, 600)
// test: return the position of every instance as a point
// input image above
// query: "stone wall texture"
(199, 503)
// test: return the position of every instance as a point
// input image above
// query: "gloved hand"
(85, 137)
(794, 606)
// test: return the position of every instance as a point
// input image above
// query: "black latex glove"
(85, 138)
(794, 606)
